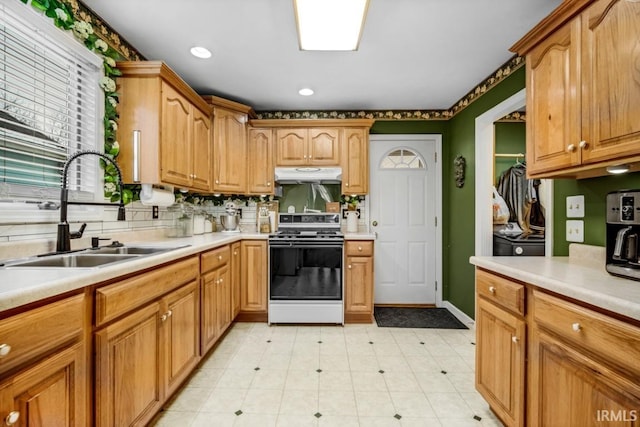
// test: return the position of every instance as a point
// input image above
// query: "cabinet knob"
(268, 183)
(235, 252)
(219, 257)
(583, 144)
(576, 327)
(169, 313)
(571, 148)
(5, 349)
(221, 280)
(164, 317)
(360, 248)
(515, 339)
(12, 418)
(346, 184)
(349, 266)
(217, 181)
(492, 289)
(194, 176)
(374, 223)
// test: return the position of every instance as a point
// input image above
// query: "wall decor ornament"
(459, 164)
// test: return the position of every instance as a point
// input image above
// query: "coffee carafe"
(623, 229)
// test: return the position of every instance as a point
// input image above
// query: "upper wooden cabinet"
(310, 142)
(229, 145)
(260, 161)
(355, 161)
(308, 146)
(583, 90)
(164, 128)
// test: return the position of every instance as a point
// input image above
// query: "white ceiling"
(413, 55)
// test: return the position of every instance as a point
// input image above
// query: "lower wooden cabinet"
(500, 360)
(580, 364)
(254, 280)
(142, 358)
(358, 282)
(216, 305)
(53, 392)
(236, 265)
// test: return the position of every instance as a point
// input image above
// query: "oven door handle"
(300, 245)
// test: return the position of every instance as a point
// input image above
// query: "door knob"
(374, 223)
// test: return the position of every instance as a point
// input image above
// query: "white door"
(404, 204)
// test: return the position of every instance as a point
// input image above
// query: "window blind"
(49, 101)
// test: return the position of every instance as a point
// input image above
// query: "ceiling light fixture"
(306, 91)
(618, 169)
(200, 52)
(330, 24)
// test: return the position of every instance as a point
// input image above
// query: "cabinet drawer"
(359, 248)
(612, 340)
(213, 259)
(121, 297)
(40, 330)
(501, 291)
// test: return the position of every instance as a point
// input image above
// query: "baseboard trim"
(246, 316)
(406, 305)
(460, 315)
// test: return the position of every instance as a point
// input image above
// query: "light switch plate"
(575, 206)
(575, 230)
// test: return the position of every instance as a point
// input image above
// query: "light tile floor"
(356, 375)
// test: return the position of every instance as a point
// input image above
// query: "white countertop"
(582, 279)
(20, 286)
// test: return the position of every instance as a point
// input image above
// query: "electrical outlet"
(239, 211)
(154, 212)
(575, 206)
(575, 230)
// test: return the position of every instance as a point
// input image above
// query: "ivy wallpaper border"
(487, 84)
(103, 30)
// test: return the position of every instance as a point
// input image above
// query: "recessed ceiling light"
(306, 91)
(200, 52)
(330, 24)
(618, 169)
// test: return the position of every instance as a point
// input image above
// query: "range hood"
(306, 175)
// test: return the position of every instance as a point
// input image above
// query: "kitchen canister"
(352, 221)
(198, 222)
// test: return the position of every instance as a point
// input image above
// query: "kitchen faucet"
(63, 240)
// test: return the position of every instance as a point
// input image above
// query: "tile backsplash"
(25, 239)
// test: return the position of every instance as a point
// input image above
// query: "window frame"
(19, 204)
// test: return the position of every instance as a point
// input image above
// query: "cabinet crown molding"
(563, 13)
(311, 123)
(216, 101)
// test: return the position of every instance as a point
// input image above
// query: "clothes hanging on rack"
(521, 196)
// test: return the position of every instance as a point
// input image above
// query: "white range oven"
(305, 269)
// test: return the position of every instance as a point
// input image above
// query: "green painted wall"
(510, 138)
(459, 285)
(594, 191)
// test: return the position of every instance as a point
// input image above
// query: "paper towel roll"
(150, 196)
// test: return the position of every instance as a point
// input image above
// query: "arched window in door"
(402, 158)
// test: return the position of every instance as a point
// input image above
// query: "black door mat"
(409, 317)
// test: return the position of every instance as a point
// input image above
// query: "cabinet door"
(611, 76)
(291, 147)
(181, 325)
(51, 393)
(553, 87)
(253, 294)
(229, 154)
(128, 369)
(202, 150)
(355, 161)
(235, 279)
(500, 358)
(223, 291)
(209, 305)
(260, 161)
(323, 148)
(176, 148)
(359, 285)
(568, 388)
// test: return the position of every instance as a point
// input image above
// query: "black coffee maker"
(623, 233)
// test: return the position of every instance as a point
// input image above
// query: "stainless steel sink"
(91, 258)
(132, 250)
(73, 261)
